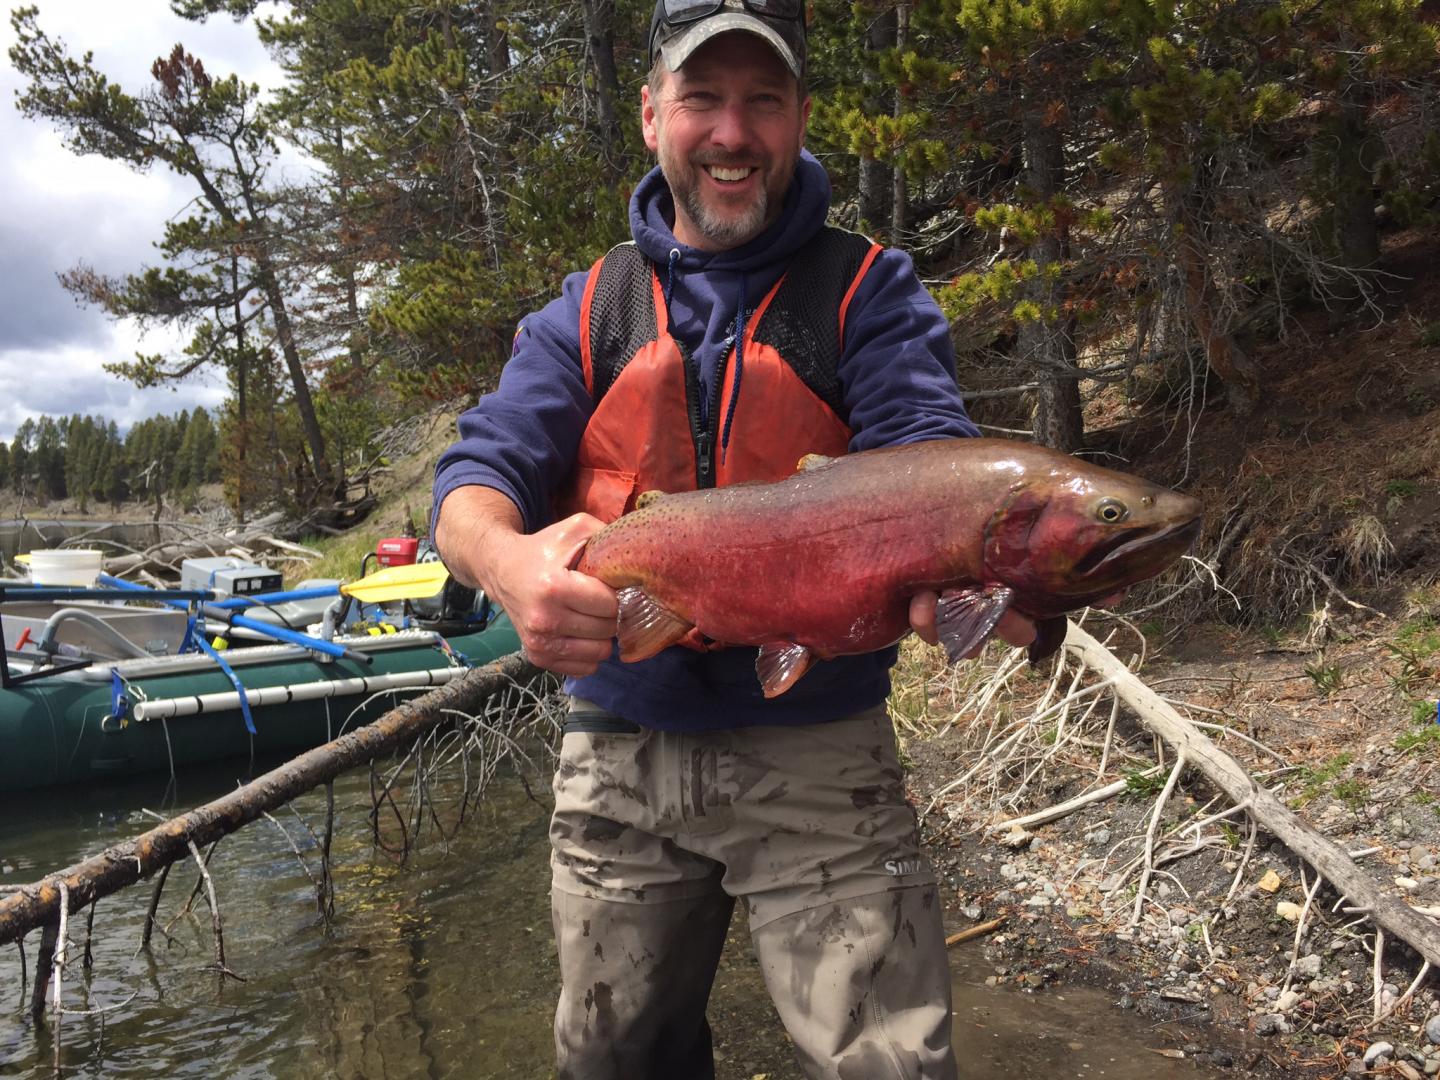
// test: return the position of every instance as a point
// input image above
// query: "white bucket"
(65, 566)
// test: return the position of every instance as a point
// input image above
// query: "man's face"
(727, 128)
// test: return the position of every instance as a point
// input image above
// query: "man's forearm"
(471, 530)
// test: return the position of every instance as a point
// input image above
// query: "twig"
(61, 935)
(1377, 972)
(1060, 810)
(1300, 925)
(150, 921)
(215, 920)
(1150, 836)
(978, 930)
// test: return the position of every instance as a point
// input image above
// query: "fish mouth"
(1163, 541)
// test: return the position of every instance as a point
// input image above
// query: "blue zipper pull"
(703, 461)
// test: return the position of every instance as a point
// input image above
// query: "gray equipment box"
(228, 577)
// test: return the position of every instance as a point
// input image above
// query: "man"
(735, 335)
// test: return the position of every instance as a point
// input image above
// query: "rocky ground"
(1223, 939)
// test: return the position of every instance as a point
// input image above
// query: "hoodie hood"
(803, 212)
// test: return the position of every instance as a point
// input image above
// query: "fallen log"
(1331, 861)
(123, 864)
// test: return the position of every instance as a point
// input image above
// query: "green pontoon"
(71, 721)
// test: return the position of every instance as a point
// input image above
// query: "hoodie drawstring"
(671, 264)
(739, 369)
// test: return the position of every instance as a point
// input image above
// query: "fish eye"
(1111, 511)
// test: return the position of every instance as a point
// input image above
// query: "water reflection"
(443, 968)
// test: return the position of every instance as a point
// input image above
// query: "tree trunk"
(600, 34)
(497, 42)
(329, 485)
(1356, 150)
(900, 196)
(1047, 344)
(1190, 230)
(875, 184)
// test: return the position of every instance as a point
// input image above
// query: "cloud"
(58, 209)
(69, 379)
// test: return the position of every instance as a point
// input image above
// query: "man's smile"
(730, 174)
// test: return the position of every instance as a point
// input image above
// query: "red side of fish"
(827, 559)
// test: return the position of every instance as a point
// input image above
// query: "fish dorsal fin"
(645, 627)
(648, 498)
(780, 665)
(812, 461)
(965, 617)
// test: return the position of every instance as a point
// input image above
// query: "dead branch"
(123, 864)
(216, 923)
(1328, 859)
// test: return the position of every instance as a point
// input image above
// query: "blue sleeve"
(521, 439)
(897, 366)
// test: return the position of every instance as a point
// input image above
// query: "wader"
(656, 834)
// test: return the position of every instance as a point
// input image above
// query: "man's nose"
(732, 126)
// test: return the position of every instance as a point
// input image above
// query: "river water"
(444, 967)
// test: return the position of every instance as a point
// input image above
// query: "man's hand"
(1013, 627)
(566, 620)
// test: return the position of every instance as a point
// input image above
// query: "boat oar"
(416, 581)
(291, 637)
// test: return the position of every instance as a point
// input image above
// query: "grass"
(1423, 738)
(340, 556)
(1140, 786)
(1327, 677)
(1317, 779)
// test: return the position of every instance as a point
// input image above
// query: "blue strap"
(209, 651)
(119, 701)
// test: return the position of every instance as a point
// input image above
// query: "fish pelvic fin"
(812, 461)
(645, 627)
(780, 665)
(966, 617)
(1049, 636)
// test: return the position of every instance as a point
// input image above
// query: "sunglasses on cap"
(683, 11)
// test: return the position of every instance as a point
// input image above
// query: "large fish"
(824, 563)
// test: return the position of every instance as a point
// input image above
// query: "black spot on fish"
(585, 928)
(599, 951)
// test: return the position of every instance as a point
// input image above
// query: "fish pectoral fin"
(1049, 636)
(645, 627)
(966, 617)
(648, 498)
(812, 461)
(780, 665)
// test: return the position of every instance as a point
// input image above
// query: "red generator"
(396, 551)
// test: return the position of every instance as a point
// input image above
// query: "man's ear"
(804, 119)
(647, 119)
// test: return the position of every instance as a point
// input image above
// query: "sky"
(58, 209)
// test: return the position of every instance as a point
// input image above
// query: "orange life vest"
(646, 434)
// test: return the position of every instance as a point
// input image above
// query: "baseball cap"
(679, 27)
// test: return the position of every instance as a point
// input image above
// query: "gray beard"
(726, 232)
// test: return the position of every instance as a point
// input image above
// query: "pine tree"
(211, 131)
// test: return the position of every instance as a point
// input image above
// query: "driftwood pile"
(158, 563)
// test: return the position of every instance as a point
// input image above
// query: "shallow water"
(444, 967)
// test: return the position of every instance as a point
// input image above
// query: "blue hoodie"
(897, 374)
